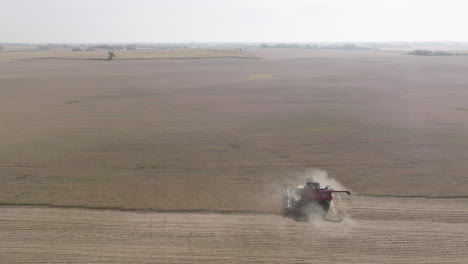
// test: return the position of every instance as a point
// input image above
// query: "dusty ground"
(374, 230)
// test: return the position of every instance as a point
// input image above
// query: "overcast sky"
(58, 21)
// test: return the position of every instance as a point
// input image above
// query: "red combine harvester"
(310, 199)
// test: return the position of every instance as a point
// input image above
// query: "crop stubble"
(373, 230)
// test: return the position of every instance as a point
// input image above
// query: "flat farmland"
(124, 54)
(370, 230)
(227, 134)
(184, 161)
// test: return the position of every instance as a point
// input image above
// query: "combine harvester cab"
(311, 199)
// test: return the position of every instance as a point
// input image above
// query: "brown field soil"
(366, 230)
(229, 134)
(125, 55)
(206, 146)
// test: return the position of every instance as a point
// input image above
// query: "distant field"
(227, 134)
(125, 55)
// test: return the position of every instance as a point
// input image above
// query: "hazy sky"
(55, 21)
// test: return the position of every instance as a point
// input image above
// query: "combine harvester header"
(302, 201)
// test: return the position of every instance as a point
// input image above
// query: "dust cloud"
(321, 176)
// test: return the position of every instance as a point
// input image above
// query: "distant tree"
(109, 47)
(43, 47)
(311, 46)
(130, 47)
(426, 53)
(102, 47)
(349, 47)
(1, 48)
(76, 49)
(111, 55)
(264, 46)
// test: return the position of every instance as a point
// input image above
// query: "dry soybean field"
(184, 160)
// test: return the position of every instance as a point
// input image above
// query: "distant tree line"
(43, 47)
(436, 53)
(106, 47)
(289, 46)
(117, 47)
(314, 46)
